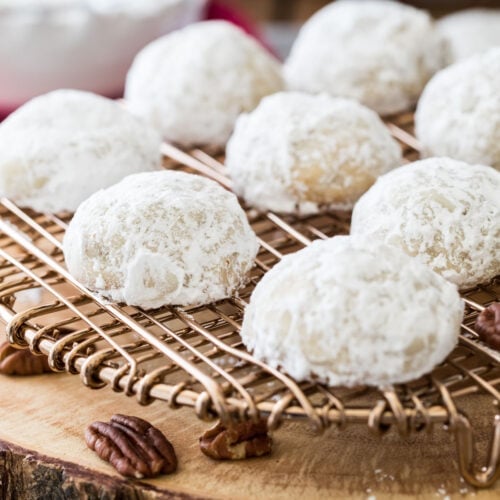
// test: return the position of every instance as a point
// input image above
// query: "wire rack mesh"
(193, 356)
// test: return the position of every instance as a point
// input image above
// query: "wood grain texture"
(47, 414)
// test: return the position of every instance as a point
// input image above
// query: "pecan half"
(488, 325)
(237, 441)
(22, 361)
(132, 446)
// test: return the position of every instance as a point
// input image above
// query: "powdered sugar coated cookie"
(458, 114)
(470, 32)
(59, 148)
(444, 212)
(298, 153)
(350, 311)
(161, 238)
(192, 84)
(378, 52)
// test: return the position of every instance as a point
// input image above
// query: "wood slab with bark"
(43, 454)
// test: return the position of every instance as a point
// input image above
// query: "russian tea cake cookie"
(470, 32)
(59, 148)
(161, 238)
(350, 311)
(192, 84)
(458, 114)
(297, 153)
(378, 52)
(442, 211)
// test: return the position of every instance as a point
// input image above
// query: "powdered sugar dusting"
(470, 32)
(61, 147)
(459, 112)
(300, 153)
(378, 52)
(336, 309)
(161, 238)
(192, 84)
(442, 211)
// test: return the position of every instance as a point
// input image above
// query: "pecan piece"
(132, 446)
(488, 325)
(237, 441)
(22, 361)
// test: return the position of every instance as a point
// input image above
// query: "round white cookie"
(298, 152)
(442, 211)
(380, 53)
(350, 311)
(59, 148)
(458, 114)
(161, 238)
(470, 32)
(192, 84)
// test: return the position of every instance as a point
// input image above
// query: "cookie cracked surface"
(161, 238)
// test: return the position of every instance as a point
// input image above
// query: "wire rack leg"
(483, 476)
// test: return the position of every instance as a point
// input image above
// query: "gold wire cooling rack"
(194, 356)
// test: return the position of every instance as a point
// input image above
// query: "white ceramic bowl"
(82, 44)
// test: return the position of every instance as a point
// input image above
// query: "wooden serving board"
(43, 454)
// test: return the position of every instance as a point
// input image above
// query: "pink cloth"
(220, 10)
(4, 112)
